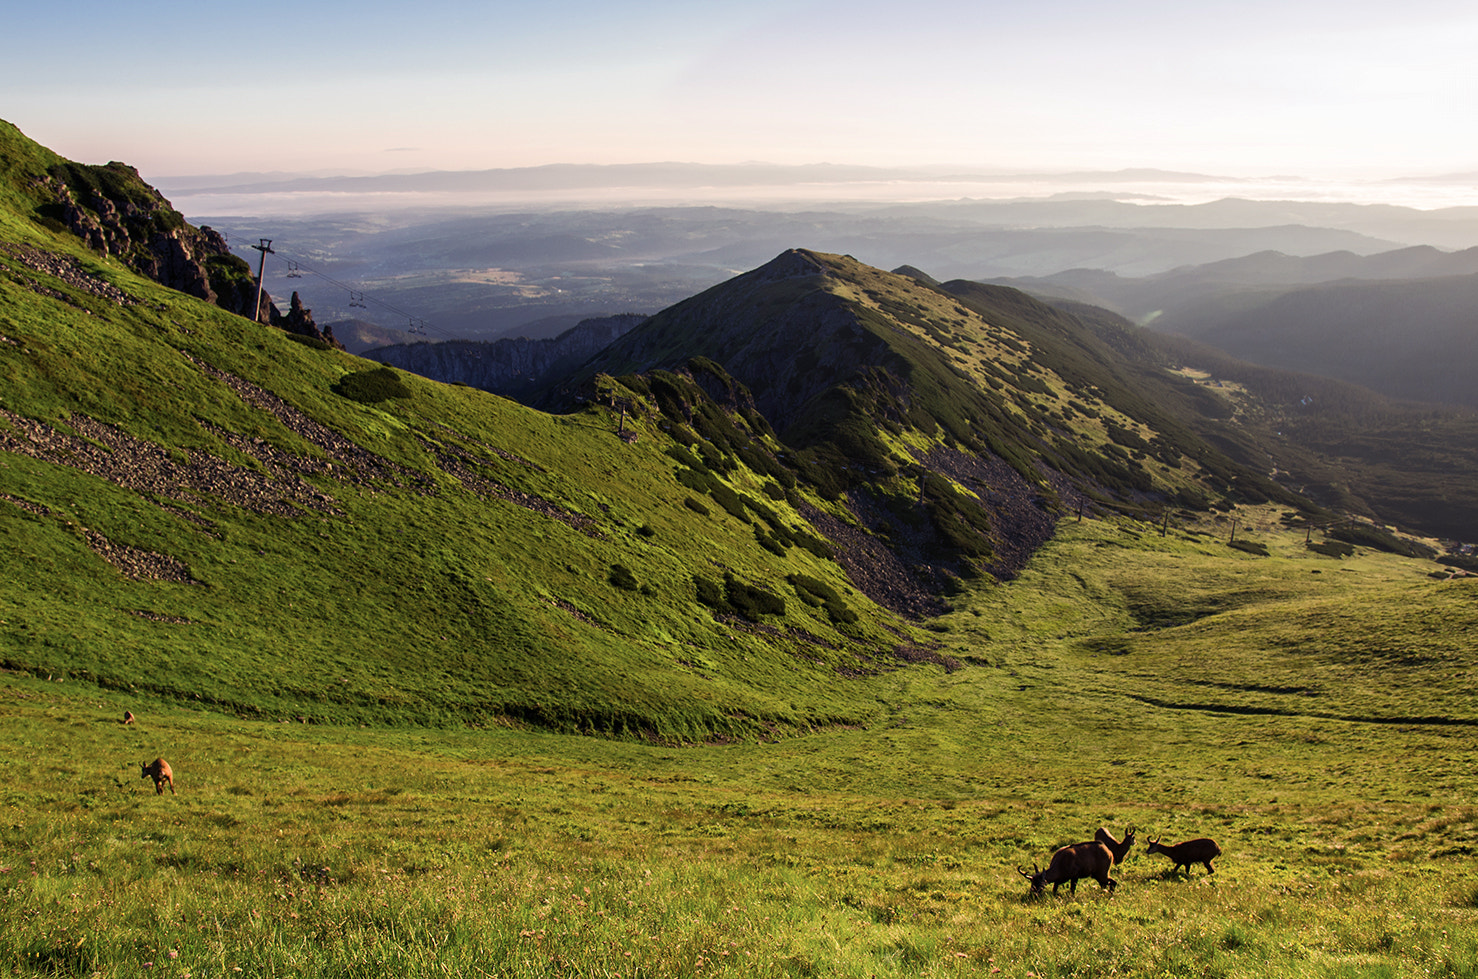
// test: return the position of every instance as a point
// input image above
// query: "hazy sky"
(1251, 87)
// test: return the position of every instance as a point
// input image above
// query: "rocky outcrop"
(299, 320)
(510, 367)
(117, 214)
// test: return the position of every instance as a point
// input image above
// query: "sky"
(1358, 88)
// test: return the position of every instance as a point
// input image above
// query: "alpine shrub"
(372, 386)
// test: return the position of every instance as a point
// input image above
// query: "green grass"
(884, 849)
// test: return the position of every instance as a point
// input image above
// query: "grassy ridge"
(884, 850)
(441, 558)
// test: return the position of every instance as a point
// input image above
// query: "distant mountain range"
(1402, 322)
(480, 275)
(649, 175)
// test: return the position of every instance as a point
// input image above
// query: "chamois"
(160, 772)
(1119, 849)
(127, 717)
(1184, 854)
(1072, 863)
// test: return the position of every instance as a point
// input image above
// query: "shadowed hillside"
(1398, 322)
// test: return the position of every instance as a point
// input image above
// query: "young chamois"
(160, 772)
(1071, 864)
(1117, 848)
(1187, 853)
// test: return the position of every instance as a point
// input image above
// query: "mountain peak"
(794, 263)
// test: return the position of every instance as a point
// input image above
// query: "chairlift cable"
(358, 298)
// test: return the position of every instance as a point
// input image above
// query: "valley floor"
(1315, 716)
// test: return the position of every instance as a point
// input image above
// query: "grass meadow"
(1314, 715)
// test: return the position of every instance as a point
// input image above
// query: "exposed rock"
(117, 214)
(299, 320)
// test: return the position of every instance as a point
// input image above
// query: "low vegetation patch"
(1332, 548)
(372, 386)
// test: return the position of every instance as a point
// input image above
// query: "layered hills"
(1399, 322)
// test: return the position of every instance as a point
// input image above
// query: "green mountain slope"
(949, 426)
(208, 509)
(1347, 448)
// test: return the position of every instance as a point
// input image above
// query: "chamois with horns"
(1071, 864)
(1184, 854)
(1118, 848)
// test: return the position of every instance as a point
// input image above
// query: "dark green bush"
(1250, 546)
(1331, 548)
(312, 343)
(372, 386)
(622, 577)
(685, 457)
(751, 601)
(711, 594)
(818, 594)
(815, 545)
(772, 543)
(695, 506)
(695, 479)
(729, 500)
(734, 597)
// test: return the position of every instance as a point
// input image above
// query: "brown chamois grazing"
(160, 772)
(1120, 849)
(1072, 863)
(1187, 853)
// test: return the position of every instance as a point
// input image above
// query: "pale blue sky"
(1250, 87)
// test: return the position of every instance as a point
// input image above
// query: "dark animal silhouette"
(160, 772)
(1071, 864)
(1118, 848)
(1184, 854)
(128, 717)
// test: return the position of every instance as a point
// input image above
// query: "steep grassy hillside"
(215, 511)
